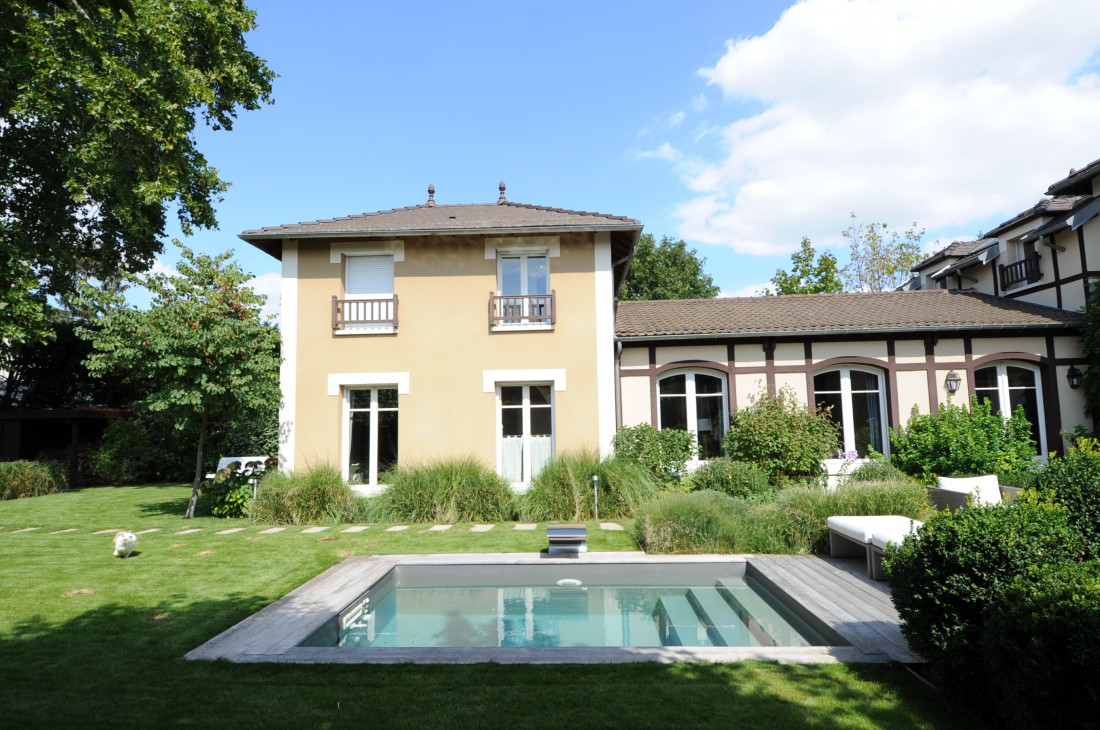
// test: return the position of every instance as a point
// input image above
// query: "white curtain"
(512, 458)
(541, 452)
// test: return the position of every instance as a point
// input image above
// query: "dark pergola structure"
(24, 433)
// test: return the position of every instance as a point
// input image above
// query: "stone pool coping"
(827, 592)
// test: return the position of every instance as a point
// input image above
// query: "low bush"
(663, 452)
(126, 453)
(878, 470)
(962, 442)
(1018, 479)
(806, 509)
(20, 479)
(785, 438)
(735, 478)
(312, 496)
(1041, 644)
(962, 562)
(230, 491)
(563, 489)
(1075, 481)
(698, 522)
(445, 492)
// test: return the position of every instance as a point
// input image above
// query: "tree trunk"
(198, 470)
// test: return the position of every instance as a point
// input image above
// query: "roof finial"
(431, 196)
(501, 199)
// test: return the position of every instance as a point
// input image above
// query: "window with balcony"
(369, 305)
(1025, 270)
(523, 298)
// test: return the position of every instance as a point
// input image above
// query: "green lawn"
(90, 640)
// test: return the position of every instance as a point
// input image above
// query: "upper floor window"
(695, 401)
(523, 291)
(857, 401)
(1010, 385)
(369, 303)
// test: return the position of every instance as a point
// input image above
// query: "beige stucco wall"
(708, 353)
(636, 401)
(444, 344)
(634, 357)
(828, 350)
(912, 391)
(994, 345)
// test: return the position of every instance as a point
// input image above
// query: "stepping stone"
(613, 526)
(481, 528)
(272, 530)
(230, 531)
(151, 529)
(524, 526)
(311, 530)
(439, 528)
(356, 528)
(397, 528)
(58, 532)
(104, 532)
(25, 529)
(189, 531)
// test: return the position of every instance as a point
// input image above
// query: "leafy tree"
(806, 276)
(1090, 341)
(201, 347)
(666, 270)
(881, 260)
(98, 105)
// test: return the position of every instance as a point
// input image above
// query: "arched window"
(1008, 385)
(695, 401)
(857, 400)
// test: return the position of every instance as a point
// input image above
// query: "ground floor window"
(857, 402)
(526, 422)
(1010, 385)
(371, 433)
(696, 402)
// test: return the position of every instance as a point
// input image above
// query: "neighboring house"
(997, 318)
(448, 330)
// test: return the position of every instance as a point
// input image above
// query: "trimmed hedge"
(1041, 645)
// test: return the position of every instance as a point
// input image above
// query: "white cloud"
(939, 112)
(752, 290)
(270, 286)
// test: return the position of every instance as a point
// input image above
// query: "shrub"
(784, 437)
(316, 495)
(445, 492)
(806, 509)
(878, 470)
(1075, 480)
(663, 452)
(126, 453)
(735, 478)
(962, 562)
(1041, 644)
(20, 479)
(230, 490)
(699, 522)
(963, 442)
(1018, 479)
(563, 489)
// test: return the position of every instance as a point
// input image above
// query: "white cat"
(124, 543)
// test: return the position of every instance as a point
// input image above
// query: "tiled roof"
(953, 249)
(1046, 206)
(1077, 181)
(936, 310)
(430, 219)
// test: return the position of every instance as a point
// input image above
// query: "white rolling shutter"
(369, 275)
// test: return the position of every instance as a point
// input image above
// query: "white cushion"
(985, 489)
(862, 528)
(882, 537)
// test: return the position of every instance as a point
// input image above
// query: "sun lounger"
(866, 536)
(955, 492)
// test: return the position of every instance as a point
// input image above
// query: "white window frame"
(692, 405)
(848, 429)
(372, 329)
(527, 475)
(345, 434)
(1003, 391)
(498, 249)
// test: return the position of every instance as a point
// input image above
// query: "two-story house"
(448, 330)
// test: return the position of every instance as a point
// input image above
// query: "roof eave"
(846, 332)
(280, 235)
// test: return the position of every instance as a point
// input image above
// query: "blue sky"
(739, 126)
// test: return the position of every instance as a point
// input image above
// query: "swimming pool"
(568, 605)
(850, 612)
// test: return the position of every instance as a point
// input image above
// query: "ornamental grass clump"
(706, 522)
(317, 495)
(563, 489)
(445, 492)
(735, 478)
(19, 479)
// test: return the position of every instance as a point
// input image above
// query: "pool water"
(566, 606)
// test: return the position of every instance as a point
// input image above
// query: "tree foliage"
(202, 347)
(1090, 341)
(98, 106)
(806, 275)
(666, 270)
(881, 260)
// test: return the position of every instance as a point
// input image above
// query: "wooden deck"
(836, 592)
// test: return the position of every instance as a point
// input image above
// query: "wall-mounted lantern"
(951, 382)
(1074, 376)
